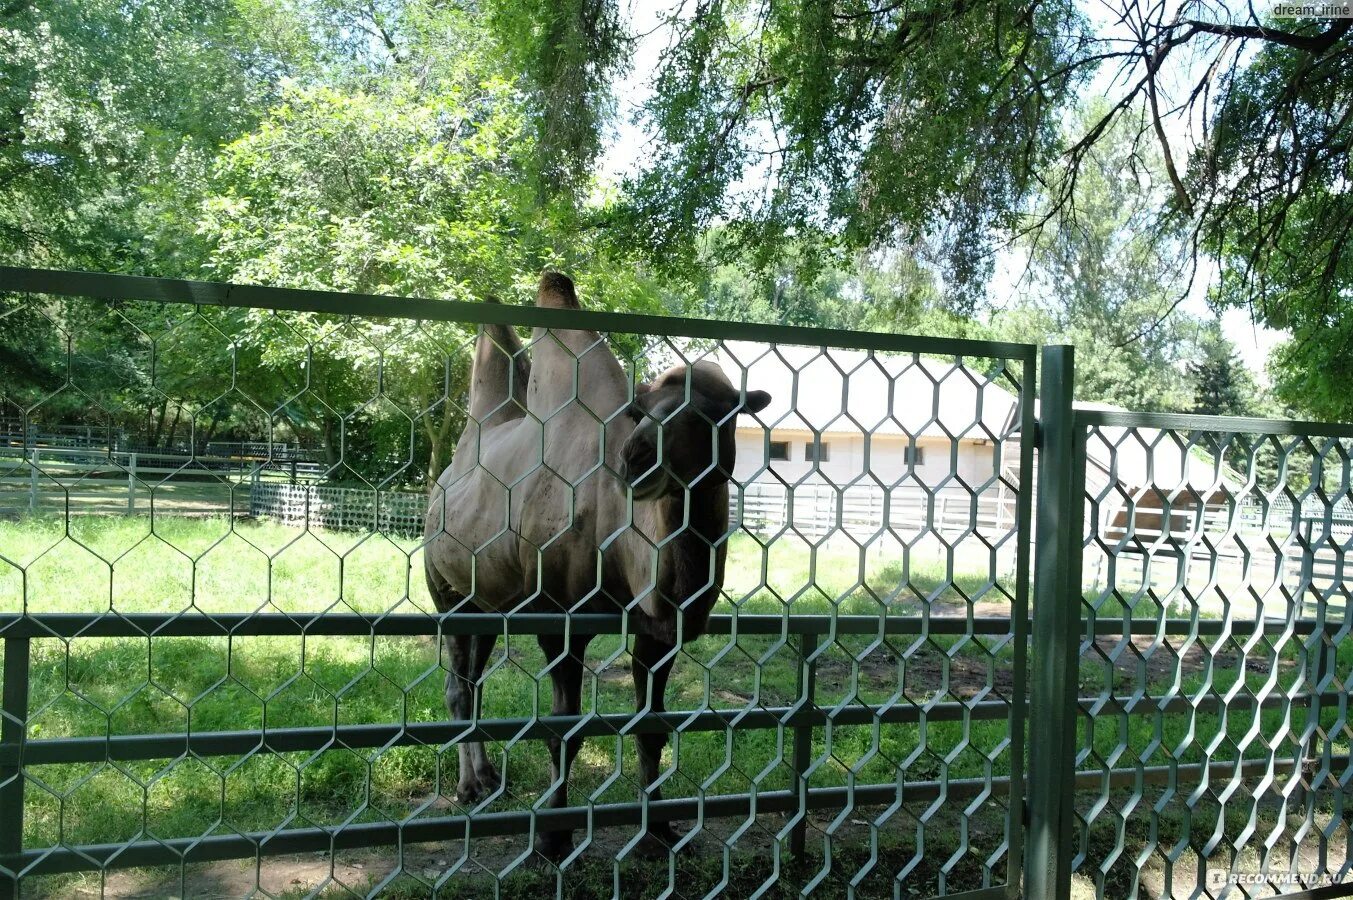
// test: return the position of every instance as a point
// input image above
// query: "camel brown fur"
(572, 491)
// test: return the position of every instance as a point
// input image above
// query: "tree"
(568, 51)
(890, 291)
(110, 111)
(866, 124)
(1109, 283)
(394, 194)
(850, 124)
(1222, 386)
(419, 189)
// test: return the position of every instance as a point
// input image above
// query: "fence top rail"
(102, 286)
(1091, 418)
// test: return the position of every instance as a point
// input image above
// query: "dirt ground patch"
(746, 856)
(1140, 653)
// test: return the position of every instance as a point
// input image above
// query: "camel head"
(684, 431)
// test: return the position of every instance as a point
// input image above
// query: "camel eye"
(635, 412)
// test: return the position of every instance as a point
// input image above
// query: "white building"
(849, 432)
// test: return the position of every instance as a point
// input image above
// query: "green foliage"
(839, 164)
(109, 112)
(568, 51)
(405, 191)
(891, 291)
(392, 194)
(1222, 386)
(1109, 283)
(1281, 147)
(919, 122)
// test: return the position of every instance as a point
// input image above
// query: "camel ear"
(756, 401)
(556, 290)
(642, 387)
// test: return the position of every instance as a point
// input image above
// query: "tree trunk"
(211, 429)
(173, 428)
(330, 451)
(155, 423)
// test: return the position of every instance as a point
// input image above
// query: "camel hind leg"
(499, 378)
(466, 657)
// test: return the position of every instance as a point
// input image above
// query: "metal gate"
(1193, 601)
(185, 682)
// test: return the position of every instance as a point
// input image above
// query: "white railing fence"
(345, 509)
(861, 511)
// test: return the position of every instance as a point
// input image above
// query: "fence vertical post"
(803, 739)
(13, 726)
(131, 485)
(33, 481)
(1056, 633)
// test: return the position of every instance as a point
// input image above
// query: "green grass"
(92, 687)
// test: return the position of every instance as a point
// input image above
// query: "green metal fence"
(1213, 682)
(187, 682)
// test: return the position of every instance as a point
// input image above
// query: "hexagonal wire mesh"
(1213, 738)
(220, 643)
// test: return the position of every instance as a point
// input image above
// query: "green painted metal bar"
(103, 625)
(51, 625)
(176, 851)
(1019, 614)
(128, 747)
(1056, 619)
(13, 732)
(803, 739)
(1092, 418)
(208, 293)
(991, 893)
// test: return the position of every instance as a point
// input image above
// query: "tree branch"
(1311, 43)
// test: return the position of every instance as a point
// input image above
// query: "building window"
(915, 456)
(779, 450)
(817, 451)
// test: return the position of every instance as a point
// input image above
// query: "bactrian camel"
(571, 490)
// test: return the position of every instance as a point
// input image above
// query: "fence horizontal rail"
(91, 625)
(173, 851)
(210, 293)
(130, 747)
(288, 740)
(134, 625)
(1106, 418)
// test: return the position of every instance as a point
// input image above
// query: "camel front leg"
(479, 778)
(566, 675)
(653, 660)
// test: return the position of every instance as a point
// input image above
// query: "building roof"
(834, 391)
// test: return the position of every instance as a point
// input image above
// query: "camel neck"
(708, 518)
(691, 563)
